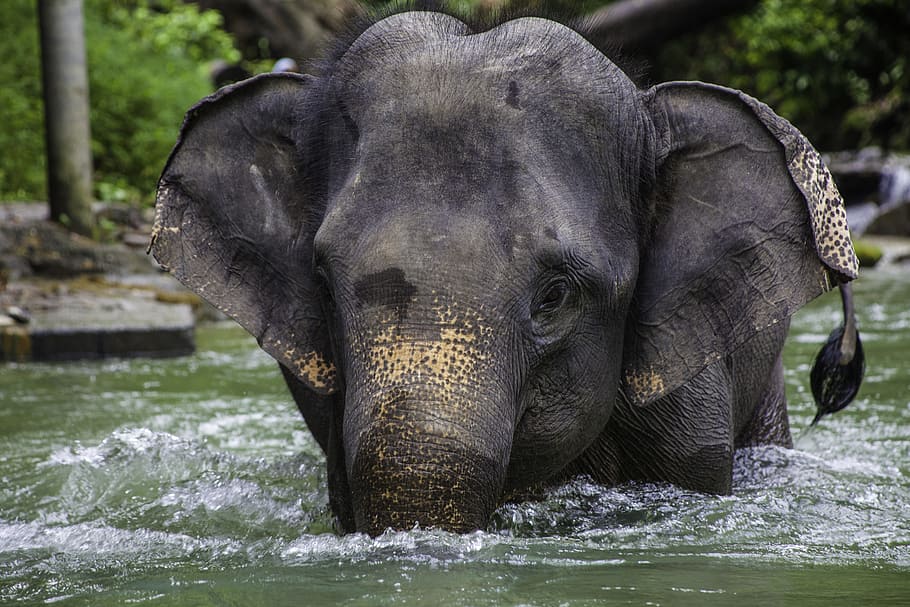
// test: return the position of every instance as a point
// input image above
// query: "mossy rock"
(868, 253)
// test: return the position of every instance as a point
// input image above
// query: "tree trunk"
(637, 26)
(298, 29)
(66, 114)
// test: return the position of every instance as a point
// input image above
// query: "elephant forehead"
(432, 61)
(399, 257)
(480, 208)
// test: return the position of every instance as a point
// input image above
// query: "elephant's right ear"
(748, 227)
(234, 221)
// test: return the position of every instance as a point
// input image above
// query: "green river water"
(194, 482)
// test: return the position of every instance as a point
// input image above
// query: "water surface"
(194, 482)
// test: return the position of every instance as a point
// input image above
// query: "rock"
(857, 174)
(66, 297)
(14, 267)
(876, 189)
(894, 249)
(891, 221)
(894, 188)
(136, 240)
(19, 212)
(119, 213)
(79, 327)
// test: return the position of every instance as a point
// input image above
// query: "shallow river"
(193, 482)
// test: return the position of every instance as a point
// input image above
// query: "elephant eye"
(322, 277)
(325, 285)
(553, 296)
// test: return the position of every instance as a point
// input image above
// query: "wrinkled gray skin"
(489, 262)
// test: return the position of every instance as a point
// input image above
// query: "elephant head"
(462, 247)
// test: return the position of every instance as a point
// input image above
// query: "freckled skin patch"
(447, 357)
(826, 211)
(646, 384)
(313, 368)
(317, 372)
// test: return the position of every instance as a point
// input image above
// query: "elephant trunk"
(410, 471)
(428, 429)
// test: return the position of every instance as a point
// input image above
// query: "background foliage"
(21, 130)
(148, 63)
(147, 67)
(838, 69)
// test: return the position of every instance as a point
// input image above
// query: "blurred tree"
(269, 29)
(66, 115)
(148, 63)
(641, 26)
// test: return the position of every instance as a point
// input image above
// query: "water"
(894, 188)
(194, 482)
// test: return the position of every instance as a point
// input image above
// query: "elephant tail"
(840, 364)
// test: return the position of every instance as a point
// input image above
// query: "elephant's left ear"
(748, 227)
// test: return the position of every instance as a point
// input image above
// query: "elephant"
(488, 262)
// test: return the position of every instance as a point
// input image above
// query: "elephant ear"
(748, 227)
(235, 223)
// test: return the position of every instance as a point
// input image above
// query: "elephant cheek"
(566, 407)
